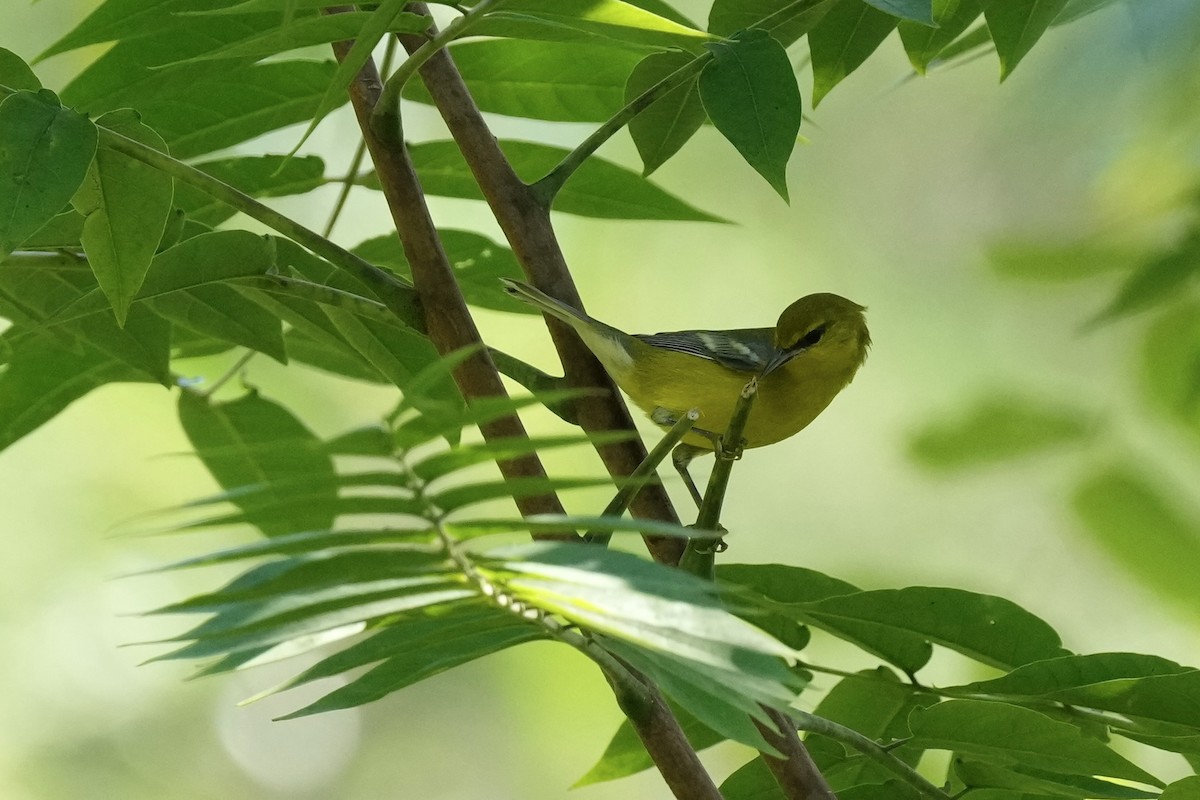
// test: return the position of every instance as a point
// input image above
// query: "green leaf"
(876, 704)
(1003, 734)
(369, 35)
(15, 73)
(42, 379)
(309, 32)
(1055, 678)
(1170, 366)
(726, 17)
(557, 81)
(599, 188)
(843, 40)
(144, 343)
(750, 94)
(995, 429)
(1145, 531)
(125, 205)
(1185, 789)
(125, 19)
(621, 21)
(198, 109)
(308, 542)
(252, 441)
(752, 781)
(989, 629)
(924, 43)
(916, 10)
(478, 264)
(1016, 25)
(663, 128)
(257, 176)
(63, 231)
(625, 754)
(328, 354)
(1034, 781)
(45, 151)
(1158, 281)
(407, 656)
(222, 313)
(460, 497)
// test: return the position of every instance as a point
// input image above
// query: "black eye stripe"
(810, 338)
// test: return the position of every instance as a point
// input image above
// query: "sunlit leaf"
(750, 93)
(45, 151)
(616, 19)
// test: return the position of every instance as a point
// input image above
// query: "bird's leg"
(726, 453)
(681, 456)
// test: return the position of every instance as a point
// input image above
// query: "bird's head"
(827, 330)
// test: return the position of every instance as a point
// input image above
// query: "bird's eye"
(810, 338)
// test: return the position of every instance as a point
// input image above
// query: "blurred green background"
(994, 440)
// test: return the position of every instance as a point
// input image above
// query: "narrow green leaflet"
(331, 356)
(369, 35)
(41, 379)
(989, 629)
(257, 176)
(749, 91)
(663, 128)
(125, 19)
(478, 264)
(252, 441)
(309, 32)
(557, 81)
(751, 781)
(143, 343)
(1003, 734)
(125, 205)
(995, 429)
(1053, 678)
(599, 188)
(1145, 531)
(222, 313)
(1016, 25)
(15, 73)
(625, 754)
(843, 40)
(729, 16)
(45, 151)
(1031, 781)
(621, 21)
(924, 43)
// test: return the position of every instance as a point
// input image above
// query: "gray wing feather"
(746, 350)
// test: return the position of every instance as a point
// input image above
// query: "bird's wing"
(745, 350)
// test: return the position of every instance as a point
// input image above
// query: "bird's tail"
(538, 298)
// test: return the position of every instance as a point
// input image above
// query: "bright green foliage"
(924, 43)
(843, 40)
(751, 96)
(663, 128)
(1016, 25)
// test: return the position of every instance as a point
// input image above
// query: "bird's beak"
(781, 358)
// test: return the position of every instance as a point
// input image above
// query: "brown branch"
(448, 322)
(526, 225)
(796, 773)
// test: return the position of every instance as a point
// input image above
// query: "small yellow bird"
(810, 355)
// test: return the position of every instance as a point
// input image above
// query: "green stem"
(869, 748)
(633, 484)
(229, 374)
(394, 292)
(548, 187)
(388, 107)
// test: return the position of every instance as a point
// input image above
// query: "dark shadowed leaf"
(1186, 789)
(45, 151)
(252, 441)
(660, 130)
(125, 205)
(843, 40)
(1016, 25)
(1002, 734)
(750, 93)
